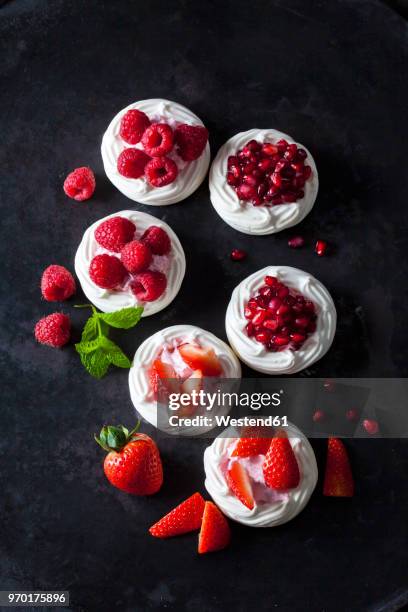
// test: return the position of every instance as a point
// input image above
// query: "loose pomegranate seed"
(319, 416)
(296, 242)
(301, 154)
(370, 426)
(329, 385)
(321, 247)
(352, 415)
(238, 255)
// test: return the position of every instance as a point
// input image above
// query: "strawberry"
(166, 373)
(185, 517)
(253, 442)
(193, 383)
(198, 358)
(280, 468)
(133, 461)
(338, 479)
(215, 533)
(239, 483)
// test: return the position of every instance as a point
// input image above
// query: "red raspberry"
(136, 256)
(132, 126)
(57, 284)
(157, 240)
(107, 271)
(131, 163)
(114, 233)
(80, 184)
(190, 141)
(161, 171)
(148, 286)
(54, 330)
(158, 140)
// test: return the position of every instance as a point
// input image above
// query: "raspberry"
(107, 271)
(131, 163)
(157, 240)
(161, 171)
(190, 141)
(132, 126)
(148, 286)
(54, 330)
(136, 256)
(158, 140)
(80, 184)
(114, 233)
(57, 284)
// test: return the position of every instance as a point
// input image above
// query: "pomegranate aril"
(274, 304)
(276, 179)
(262, 189)
(290, 152)
(269, 149)
(301, 154)
(250, 329)
(296, 242)
(271, 281)
(232, 161)
(283, 310)
(276, 200)
(298, 338)
(282, 145)
(263, 337)
(300, 195)
(232, 179)
(261, 301)
(371, 426)
(282, 292)
(249, 167)
(321, 247)
(266, 292)
(302, 322)
(280, 165)
(246, 192)
(297, 166)
(256, 201)
(281, 340)
(271, 324)
(289, 196)
(259, 317)
(309, 306)
(265, 164)
(253, 145)
(250, 180)
(307, 171)
(319, 416)
(238, 255)
(252, 303)
(248, 313)
(298, 182)
(311, 328)
(352, 415)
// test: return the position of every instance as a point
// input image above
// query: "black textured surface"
(332, 75)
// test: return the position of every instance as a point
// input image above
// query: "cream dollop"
(191, 174)
(252, 352)
(276, 509)
(245, 217)
(173, 265)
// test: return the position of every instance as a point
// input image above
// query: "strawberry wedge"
(215, 532)
(338, 480)
(239, 483)
(198, 358)
(185, 517)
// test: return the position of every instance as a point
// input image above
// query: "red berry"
(148, 286)
(57, 284)
(321, 247)
(352, 415)
(157, 140)
(161, 171)
(183, 518)
(107, 271)
(215, 532)
(319, 416)
(238, 255)
(80, 184)
(370, 426)
(132, 126)
(157, 240)
(114, 233)
(136, 256)
(54, 330)
(296, 242)
(280, 468)
(190, 141)
(132, 162)
(338, 479)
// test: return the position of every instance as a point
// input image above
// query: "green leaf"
(96, 363)
(123, 319)
(115, 354)
(88, 347)
(90, 331)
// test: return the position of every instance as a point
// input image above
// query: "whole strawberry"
(133, 461)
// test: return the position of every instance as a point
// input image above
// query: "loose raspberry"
(80, 184)
(107, 271)
(136, 256)
(157, 140)
(190, 141)
(131, 163)
(161, 171)
(148, 286)
(132, 126)
(114, 233)
(157, 240)
(54, 330)
(57, 284)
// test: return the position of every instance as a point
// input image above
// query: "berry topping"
(114, 233)
(148, 286)
(215, 532)
(251, 446)
(268, 174)
(80, 184)
(136, 256)
(186, 517)
(107, 271)
(132, 162)
(190, 141)
(161, 171)
(296, 242)
(319, 416)
(132, 126)
(338, 480)
(371, 426)
(238, 255)
(57, 284)
(200, 358)
(54, 330)
(321, 247)
(239, 483)
(157, 140)
(157, 240)
(352, 415)
(280, 468)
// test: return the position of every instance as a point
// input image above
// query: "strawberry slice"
(338, 480)
(280, 468)
(166, 373)
(239, 483)
(185, 517)
(256, 444)
(193, 383)
(198, 358)
(215, 533)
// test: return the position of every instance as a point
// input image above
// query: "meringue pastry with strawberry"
(156, 152)
(261, 481)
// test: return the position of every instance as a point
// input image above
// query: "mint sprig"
(97, 352)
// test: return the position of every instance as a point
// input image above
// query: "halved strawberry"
(280, 468)
(239, 483)
(215, 532)
(199, 358)
(193, 383)
(183, 518)
(338, 480)
(166, 373)
(253, 442)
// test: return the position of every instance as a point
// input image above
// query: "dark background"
(333, 75)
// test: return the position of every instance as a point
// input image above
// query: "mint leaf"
(88, 347)
(114, 353)
(122, 319)
(96, 363)
(90, 331)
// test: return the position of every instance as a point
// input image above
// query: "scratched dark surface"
(333, 74)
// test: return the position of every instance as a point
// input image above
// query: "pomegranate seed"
(263, 337)
(256, 201)
(266, 292)
(253, 146)
(274, 304)
(298, 182)
(283, 310)
(252, 303)
(311, 328)
(276, 179)
(276, 200)
(245, 192)
(248, 313)
(262, 189)
(271, 324)
(250, 329)
(259, 317)
(290, 152)
(289, 196)
(232, 179)
(232, 161)
(309, 306)
(297, 166)
(370, 426)
(307, 171)
(321, 247)
(249, 179)
(298, 338)
(301, 154)
(319, 416)
(249, 167)
(302, 321)
(280, 165)
(261, 301)
(269, 149)
(296, 242)
(282, 145)
(238, 255)
(282, 292)
(329, 385)
(281, 340)
(300, 194)
(265, 164)
(352, 415)
(271, 281)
